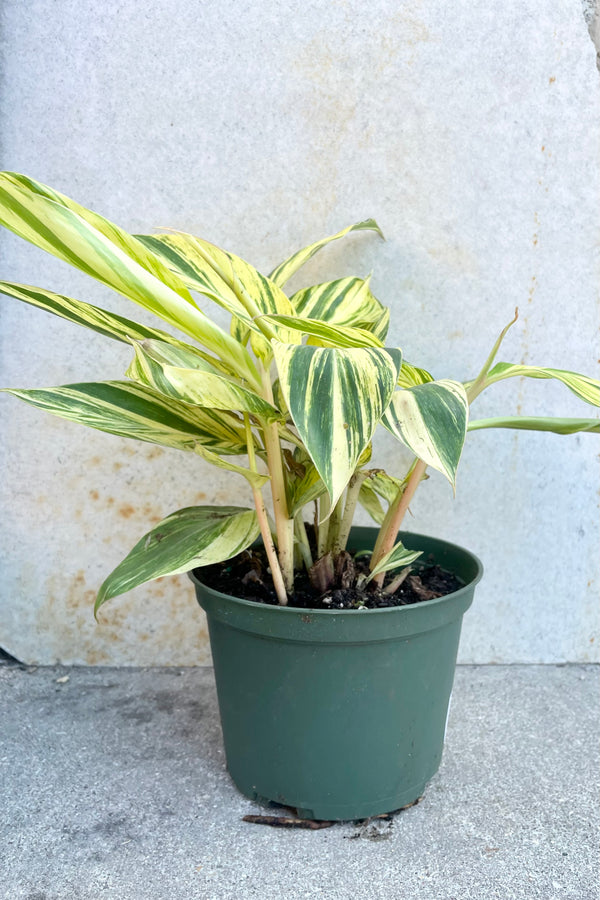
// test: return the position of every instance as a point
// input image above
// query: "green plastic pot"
(340, 714)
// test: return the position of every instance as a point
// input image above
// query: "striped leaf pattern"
(336, 398)
(410, 376)
(538, 423)
(184, 376)
(135, 411)
(431, 419)
(119, 408)
(347, 301)
(227, 279)
(290, 266)
(184, 255)
(397, 558)
(96, 319)
(322, 334)
(113, 257)
(191, 537)
(587, 389)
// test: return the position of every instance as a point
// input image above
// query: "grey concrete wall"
(470, 132)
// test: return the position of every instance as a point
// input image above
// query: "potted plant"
(334, 692)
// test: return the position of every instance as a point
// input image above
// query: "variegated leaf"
(135, 411)
(304, 490)
(347, 302)
(538, 423)
(184, 255)
(323, 334)
(369, 500)
(230, 281)
(586, 388)
(96, 319)
(410, 376)
(288, 267)
(189, 538)
(431, 419)
(380, 484)
(178, 373)
(397, 558)
(115, 258)
(336, 399)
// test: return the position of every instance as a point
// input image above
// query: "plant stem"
(333, 533)
(263, 521)
(284, 525)
(398, 580)
(324, 507)
(303, 543)
(394, 517)
(351, 501)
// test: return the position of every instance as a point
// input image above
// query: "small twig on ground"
(287, 822)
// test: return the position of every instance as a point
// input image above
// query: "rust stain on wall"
(159, 623)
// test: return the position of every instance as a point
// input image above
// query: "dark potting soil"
(246, 576)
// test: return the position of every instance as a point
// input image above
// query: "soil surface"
(246, 576)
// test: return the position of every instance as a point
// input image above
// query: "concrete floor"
(114, 786)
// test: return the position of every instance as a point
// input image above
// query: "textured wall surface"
(471, 134)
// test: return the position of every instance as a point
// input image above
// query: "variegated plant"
(289, 399)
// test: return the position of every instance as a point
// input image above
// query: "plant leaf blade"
(189, 538)
(290, 266)
(336, 398)
(431, 419)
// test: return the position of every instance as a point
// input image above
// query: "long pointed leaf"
(191, 537)
(431, 419)
(134, 411)
(96, 319)
(586, 388)
(327, 335)
(113, 257)
(288, 267)
(228, 280)
(182, 375)
(336, 399)
(538, 423)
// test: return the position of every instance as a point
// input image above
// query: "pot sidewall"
(339, 714)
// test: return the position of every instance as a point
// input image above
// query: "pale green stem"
(474, 388)
(351, 501)
(263, 521)
(283, 523)
(324, 507)
(394, 517)
(335, 520)
(303, 544)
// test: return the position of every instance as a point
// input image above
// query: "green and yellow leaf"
(322, 334)
(552, 424)
(134, 411)
(228, 280)
(96, 319)
(290, 266)
(189, 538)
(431, 419)
(411, 376)
(586, 388)
(397, 558)
(336, 398)
(184, 376)
(346, 302)
(113, 257)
